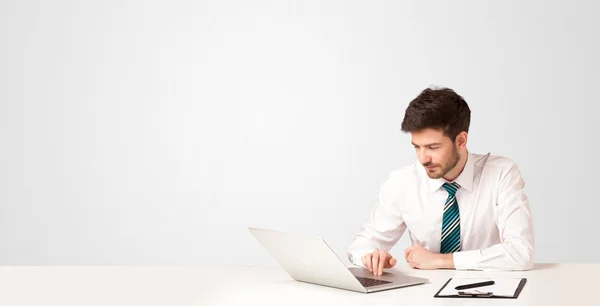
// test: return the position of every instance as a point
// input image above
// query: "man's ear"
(461, 139)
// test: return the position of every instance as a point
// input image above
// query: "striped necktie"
(451, 221)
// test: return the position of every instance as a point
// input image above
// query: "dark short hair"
(440, 109)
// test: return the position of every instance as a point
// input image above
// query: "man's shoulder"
(497, 164)
(408, 172)
(495, 161)
(401, 181)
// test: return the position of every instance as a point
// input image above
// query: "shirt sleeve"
(513, 218)
(384, 227)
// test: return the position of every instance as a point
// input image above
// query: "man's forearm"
(509, 257)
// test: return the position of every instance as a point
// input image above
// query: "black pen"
(475, 285)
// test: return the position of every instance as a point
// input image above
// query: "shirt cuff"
(355, 257)
(466, 260)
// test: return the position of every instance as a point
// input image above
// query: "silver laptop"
(309, 259)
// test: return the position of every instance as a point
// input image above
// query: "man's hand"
(419, 257)
(378, 260)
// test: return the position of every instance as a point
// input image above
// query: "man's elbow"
(524, 266)
(525, 261)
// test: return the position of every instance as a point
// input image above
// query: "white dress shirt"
(496, 230)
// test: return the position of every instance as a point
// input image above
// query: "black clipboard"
(489, 296)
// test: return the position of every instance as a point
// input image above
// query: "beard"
(441, 170)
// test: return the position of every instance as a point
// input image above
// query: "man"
(463, 211)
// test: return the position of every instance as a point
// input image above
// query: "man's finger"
(392, 262)
(375, 263)
(407, 253)
(382, 261)
(412, 261)
(368, 261)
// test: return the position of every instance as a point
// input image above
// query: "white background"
(155, 132)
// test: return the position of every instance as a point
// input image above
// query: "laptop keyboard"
(370, 282)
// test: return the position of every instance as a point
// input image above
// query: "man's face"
(436, 152)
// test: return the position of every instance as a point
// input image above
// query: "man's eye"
(433, 148)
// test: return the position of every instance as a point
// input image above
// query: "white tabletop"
(548, 284)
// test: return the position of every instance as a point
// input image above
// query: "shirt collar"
(465, 179)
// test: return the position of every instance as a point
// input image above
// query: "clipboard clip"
(477, 293)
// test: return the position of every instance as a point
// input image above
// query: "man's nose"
(425, 159)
